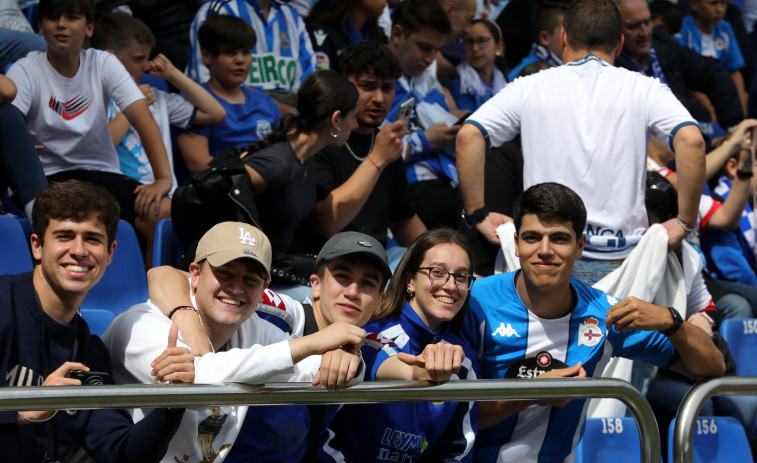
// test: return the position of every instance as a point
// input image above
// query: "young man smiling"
(44, 338)
(347, 287)
(230, 272)
(362, 185)
(539, 322)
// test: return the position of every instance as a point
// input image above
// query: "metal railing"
(190, 395)
(683, 430)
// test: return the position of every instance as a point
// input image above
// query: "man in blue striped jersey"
(538, 322)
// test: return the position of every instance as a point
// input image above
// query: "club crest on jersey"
(589, 332)
(284, 40)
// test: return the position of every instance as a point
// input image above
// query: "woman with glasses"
(480, 76)
(426, 294)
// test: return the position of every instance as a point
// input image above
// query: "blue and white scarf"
(473, 85)
(655, 70)
(544, 54)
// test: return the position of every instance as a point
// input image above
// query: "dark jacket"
(33, 345)
(686, 70)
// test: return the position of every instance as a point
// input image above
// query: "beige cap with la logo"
(228, 241)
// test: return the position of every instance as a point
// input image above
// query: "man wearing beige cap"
(230, 272)
(348, 282)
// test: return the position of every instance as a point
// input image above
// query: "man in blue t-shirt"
(539, 322)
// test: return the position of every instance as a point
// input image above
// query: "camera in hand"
(89, 378)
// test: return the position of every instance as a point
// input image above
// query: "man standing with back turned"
(587, 125)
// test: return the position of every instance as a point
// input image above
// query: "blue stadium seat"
(741, 335)
(125, 281)
(15, 256)
(716, 439)
(614, 440)
(98, 320)
(167, 250)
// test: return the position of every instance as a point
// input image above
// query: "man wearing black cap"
(228, 276)
(351, 272)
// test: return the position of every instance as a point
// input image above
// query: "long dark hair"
(321, 95)
(396, 293)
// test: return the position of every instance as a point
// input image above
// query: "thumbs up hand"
(175, 364)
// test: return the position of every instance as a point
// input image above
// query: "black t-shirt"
(290, 192)
(390, 200)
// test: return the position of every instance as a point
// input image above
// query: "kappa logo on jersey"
(589, 332)
(245, 237)
(72, 108)
(505, 330)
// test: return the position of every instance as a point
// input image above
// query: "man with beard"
(362, 185)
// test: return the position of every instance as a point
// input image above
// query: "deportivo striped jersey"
(503, 332)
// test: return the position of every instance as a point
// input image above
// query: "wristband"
(471, 220)
(677, 322)
(744, 175)
(373, 162)
(182, 307)
(683, 225)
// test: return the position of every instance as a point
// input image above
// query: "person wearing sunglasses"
(425, 298)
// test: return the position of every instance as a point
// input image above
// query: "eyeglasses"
(439, 277)
(480, 41)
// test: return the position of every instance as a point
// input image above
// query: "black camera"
(89, 378)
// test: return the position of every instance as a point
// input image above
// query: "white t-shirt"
(168, 109)
(70, 114)
(587, 125)
(257, 353)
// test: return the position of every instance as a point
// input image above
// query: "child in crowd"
(707, 33)
(64, 94)
(479, 77)
(283, 56)
(131, 41)
(227, 43)
(546, 22)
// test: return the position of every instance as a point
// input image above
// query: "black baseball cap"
(351, 242)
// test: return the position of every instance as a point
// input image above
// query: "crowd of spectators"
(416, 124)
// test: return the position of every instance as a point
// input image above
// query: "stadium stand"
(609, 439)
(14, 248)
(125, 282)
(716, 438)
(167, 250)
(97, 319)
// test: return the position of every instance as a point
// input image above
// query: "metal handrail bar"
(190, 395)
(683, 430)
